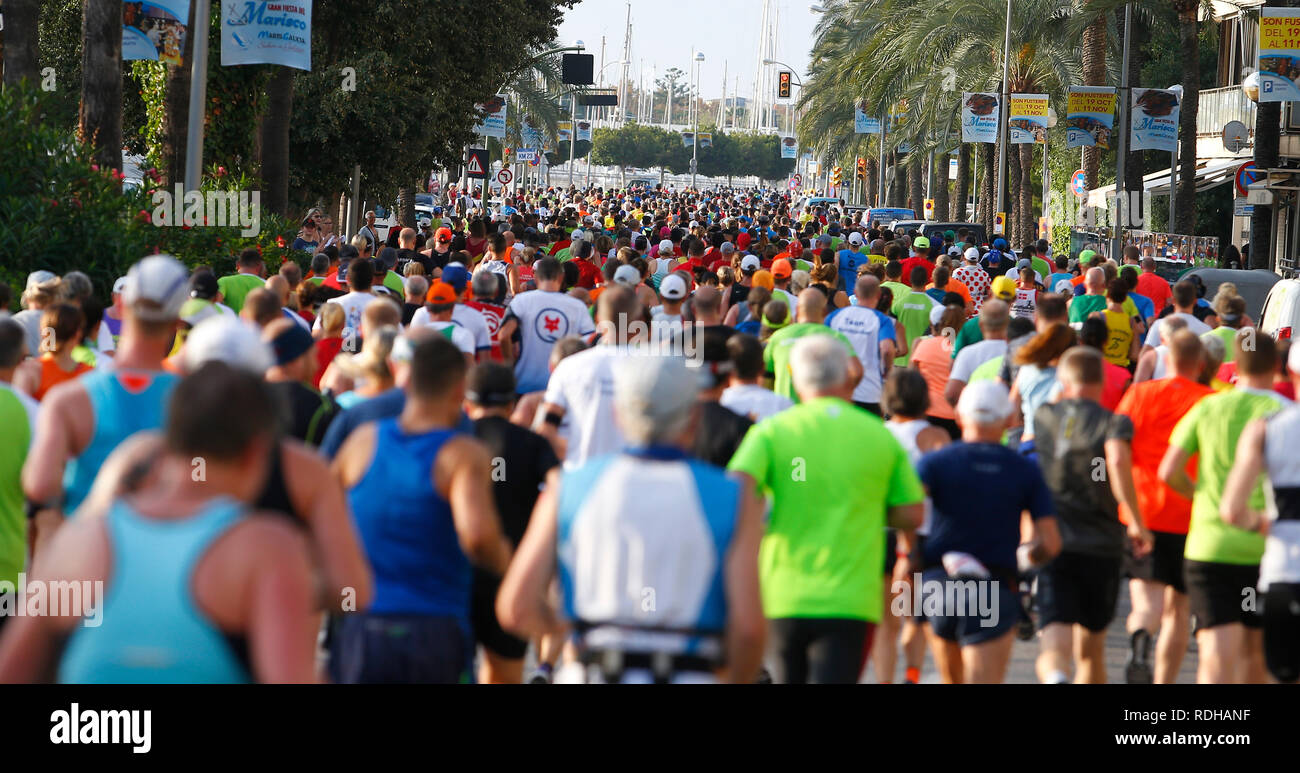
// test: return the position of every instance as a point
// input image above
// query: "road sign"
(477, 164)
(1079, 184)
(1235, 136)
(1000, 224)
(526, 155)
(504, 177)
(1247, 173)
(1242, 208)
(929, 209)
(796, 182)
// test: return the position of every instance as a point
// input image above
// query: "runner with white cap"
(697, 532)
(83, 420)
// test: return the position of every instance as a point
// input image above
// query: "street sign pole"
(573, 132)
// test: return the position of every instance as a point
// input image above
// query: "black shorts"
(1078, 589)
(483, 616)
(1164, 564)
(948, 425)
(1218, 595)
(401, 649)
(870, 407)
(1282, 631)
(813, 650)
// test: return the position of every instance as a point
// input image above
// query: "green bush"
(60, 212)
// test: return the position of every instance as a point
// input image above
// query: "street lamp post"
(1003, 117)
(695, 120)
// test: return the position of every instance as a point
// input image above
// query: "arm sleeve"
(961, 367)
(555, 387)
(753, 457)
(1120, 428)
(886, 328)
(1039, 497)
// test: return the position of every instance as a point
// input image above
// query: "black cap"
(490, 384)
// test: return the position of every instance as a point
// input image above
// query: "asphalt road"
(1021, 670)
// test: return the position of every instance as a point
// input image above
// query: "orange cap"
(782, 268)
(440, 292)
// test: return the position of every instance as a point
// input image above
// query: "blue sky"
(663, 32)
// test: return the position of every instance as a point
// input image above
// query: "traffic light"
(837, 176)
(783, 84)
(862, 168)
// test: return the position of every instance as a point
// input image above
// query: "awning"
(1209, 174)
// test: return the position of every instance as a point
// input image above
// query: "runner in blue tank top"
(420, 495)
(656, 554)
(164, 576)
(83, 420)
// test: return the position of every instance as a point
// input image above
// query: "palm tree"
(100, 120)
(273, 145)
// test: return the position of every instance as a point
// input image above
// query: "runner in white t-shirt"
(746, 395)
(538, 318)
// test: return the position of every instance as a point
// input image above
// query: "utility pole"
(1121, 195)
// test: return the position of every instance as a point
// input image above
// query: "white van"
(1281, 315)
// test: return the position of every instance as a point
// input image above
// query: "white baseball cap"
(855, 238)
(936, 314)
(160, 280)
(627, 276)
(674, 287)
(750, 263)
(119, 285)
(666, 245)
(227, 339)
(652, 391)
(985, 402)
(973, 254)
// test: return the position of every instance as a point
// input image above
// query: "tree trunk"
(1015, 178)
(1094, 74)
(1135, 167)
(176, 113)
(1268, 118)
(916, 183)
(406, 205)
(988, 165)
(274, 141)
(20, 41)
(1188, 33)
(100, 120)
(940, 192)
(1027, 217)
(873, 182)
(957, 205)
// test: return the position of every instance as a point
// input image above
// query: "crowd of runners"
(645, 435)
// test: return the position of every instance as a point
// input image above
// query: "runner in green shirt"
(235, 287)
(821, 563)
(811, 321)
(1221, 561)
(18, 417)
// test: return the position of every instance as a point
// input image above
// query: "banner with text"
(1028, 119)
(706, 140)
(979, 117)
(688, 139)
(494, 123)
(789, 147)
(260, 32)
(1279, 54)
(863, 123)
(563, 131)
(155, 30)
(1155, 120)
(584, 131)
(1090, 116)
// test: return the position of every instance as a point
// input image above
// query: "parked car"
(1281, 315)
(887, 215)
(1255, 285)
(933, 229)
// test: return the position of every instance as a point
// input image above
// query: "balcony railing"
(1218, 106)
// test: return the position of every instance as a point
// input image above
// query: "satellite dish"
(1235, 136)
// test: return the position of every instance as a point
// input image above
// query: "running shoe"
(1138, 668)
